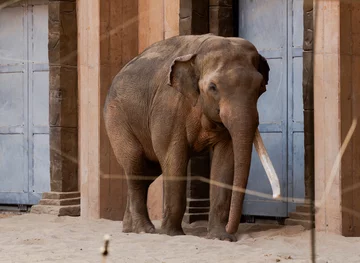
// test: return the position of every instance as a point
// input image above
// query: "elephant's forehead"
(233, 75)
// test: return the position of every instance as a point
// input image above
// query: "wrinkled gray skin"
(182, 96)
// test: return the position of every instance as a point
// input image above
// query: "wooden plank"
(151, 22)
(171, 19)
(130, 30)
(332, 134)
(331, 10)
(104, 85)
(356, 143)
(319, 121)
(355, 29)
(319, 138)
(89, 110)
(347, 162)
(151, 29)
(119, 38)
(319, 27)
(123, 48)
(143, 24)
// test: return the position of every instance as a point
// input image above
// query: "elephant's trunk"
(242, 156)
(242, 143)
(241, 122)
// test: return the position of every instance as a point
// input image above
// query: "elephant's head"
(226, 76)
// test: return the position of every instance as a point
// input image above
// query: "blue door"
(275, 27)
(24, 102)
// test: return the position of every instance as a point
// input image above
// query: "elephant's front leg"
(222, 171)
(174, 176)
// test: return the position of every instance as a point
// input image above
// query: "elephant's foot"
(127, 223)
(172, 231)
(127, 228)
(221, 235)
(143, 226)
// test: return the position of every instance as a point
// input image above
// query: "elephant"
(180, 97)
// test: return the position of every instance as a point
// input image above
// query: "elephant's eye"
(212, 87)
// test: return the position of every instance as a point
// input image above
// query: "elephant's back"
(149, 70)
(142, 82)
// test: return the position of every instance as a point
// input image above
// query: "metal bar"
(298, 127)
(26, 103)
(30, 97)
(297, 52)
(19, 129)
(40, 67)
(40, 130)
(273, 127)
(290, 105)
(273, 54)
(17, 68)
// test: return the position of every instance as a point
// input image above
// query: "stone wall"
(308, 98)
(194, 17)
(64, 198)
(63, 116)
(221, 18)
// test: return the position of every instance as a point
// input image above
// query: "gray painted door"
(24, 103)
(275, 27)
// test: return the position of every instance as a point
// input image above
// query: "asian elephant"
(179, 97)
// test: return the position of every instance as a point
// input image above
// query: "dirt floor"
(44, 238)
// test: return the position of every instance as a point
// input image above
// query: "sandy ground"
(44, 238)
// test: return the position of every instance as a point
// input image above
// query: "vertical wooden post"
(336, 96)
(89, 105)
(108, 39)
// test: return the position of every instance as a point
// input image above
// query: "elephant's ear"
(264, 70)
(184, 78)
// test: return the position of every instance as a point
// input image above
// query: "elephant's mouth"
(219, 125)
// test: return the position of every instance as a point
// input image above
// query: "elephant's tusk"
(267, 164)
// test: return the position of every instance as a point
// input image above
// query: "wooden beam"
(89, 105)
(108, 39)
(336, 107)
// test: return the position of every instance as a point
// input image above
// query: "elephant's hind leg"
(129, 153)
(136, 218)
(127, 220)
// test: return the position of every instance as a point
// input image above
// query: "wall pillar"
(336, 101)
(64, 198)
(194, 17)
(108, 39)
(308, 99)
(221, 18)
